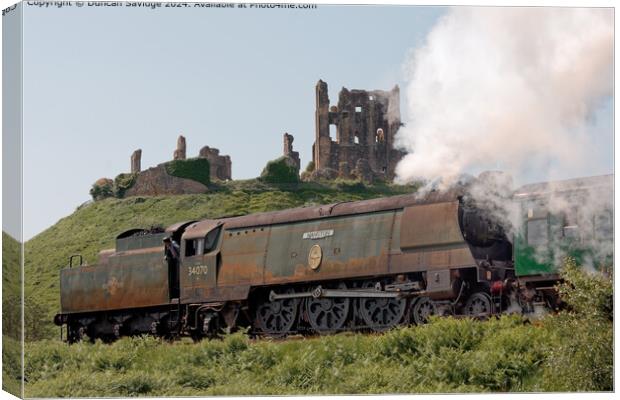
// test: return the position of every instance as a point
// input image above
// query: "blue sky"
(102, 82)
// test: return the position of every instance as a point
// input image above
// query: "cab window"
(537, 233)
(203, 245)
(194, 247)
(210, 241)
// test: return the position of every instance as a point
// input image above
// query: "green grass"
(445, 356)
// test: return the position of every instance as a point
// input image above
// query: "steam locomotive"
(364, 265)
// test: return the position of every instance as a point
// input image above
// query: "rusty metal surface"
(200, 229)
(340, 209)
(199, 294)
(140, 241)
(357, 239)
(179, 225)
(350, 246)
(132, 282)
(428, 259)
(104, 255)
(137, 257)
(430, 225)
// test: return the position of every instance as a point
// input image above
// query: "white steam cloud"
(508, 87)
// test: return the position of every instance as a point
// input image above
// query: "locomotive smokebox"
(479, 214)
(479, 227)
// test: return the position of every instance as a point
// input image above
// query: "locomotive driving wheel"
(328, 314)
(276, 318)
(422, 308)
(381, 314)
(478, 305)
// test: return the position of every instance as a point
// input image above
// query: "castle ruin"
(220, 167)
(361, 142)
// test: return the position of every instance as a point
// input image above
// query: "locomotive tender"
(364, 265)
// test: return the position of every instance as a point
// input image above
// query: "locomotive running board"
(359, 293)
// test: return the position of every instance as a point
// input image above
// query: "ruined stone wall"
(289, 153)
(366, 123)
(220, 167)
(156, 182)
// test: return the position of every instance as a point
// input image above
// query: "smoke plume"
(505, 87)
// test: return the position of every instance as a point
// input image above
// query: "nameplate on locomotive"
(318, 234)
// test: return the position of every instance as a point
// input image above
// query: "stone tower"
(136, 158)
(365, 125)
(180, 152)
(289, 152)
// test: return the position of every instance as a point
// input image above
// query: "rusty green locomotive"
(365, 265)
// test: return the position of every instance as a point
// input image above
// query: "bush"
(279, 170)
(351, 186)
(122, 183)
(582, 356)
(196, 169)
(102, 189)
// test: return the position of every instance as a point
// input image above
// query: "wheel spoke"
(479, 305)
(328, 314)
(277, 317)
(381, 314)
(423, 308)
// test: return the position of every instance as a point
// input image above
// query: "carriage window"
(603, 226)
(537, 232)
(571, 232)
(211, 240)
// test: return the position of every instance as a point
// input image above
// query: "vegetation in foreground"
(568, 351)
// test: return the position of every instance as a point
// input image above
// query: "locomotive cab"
(200, 255)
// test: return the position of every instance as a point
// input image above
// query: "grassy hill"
(93, 227)
(11, 283)
(11, 314)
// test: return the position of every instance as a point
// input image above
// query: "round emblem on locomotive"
(315, 256)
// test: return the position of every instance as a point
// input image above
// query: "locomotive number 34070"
(197, 270)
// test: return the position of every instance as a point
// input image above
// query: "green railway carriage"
(572, 218)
